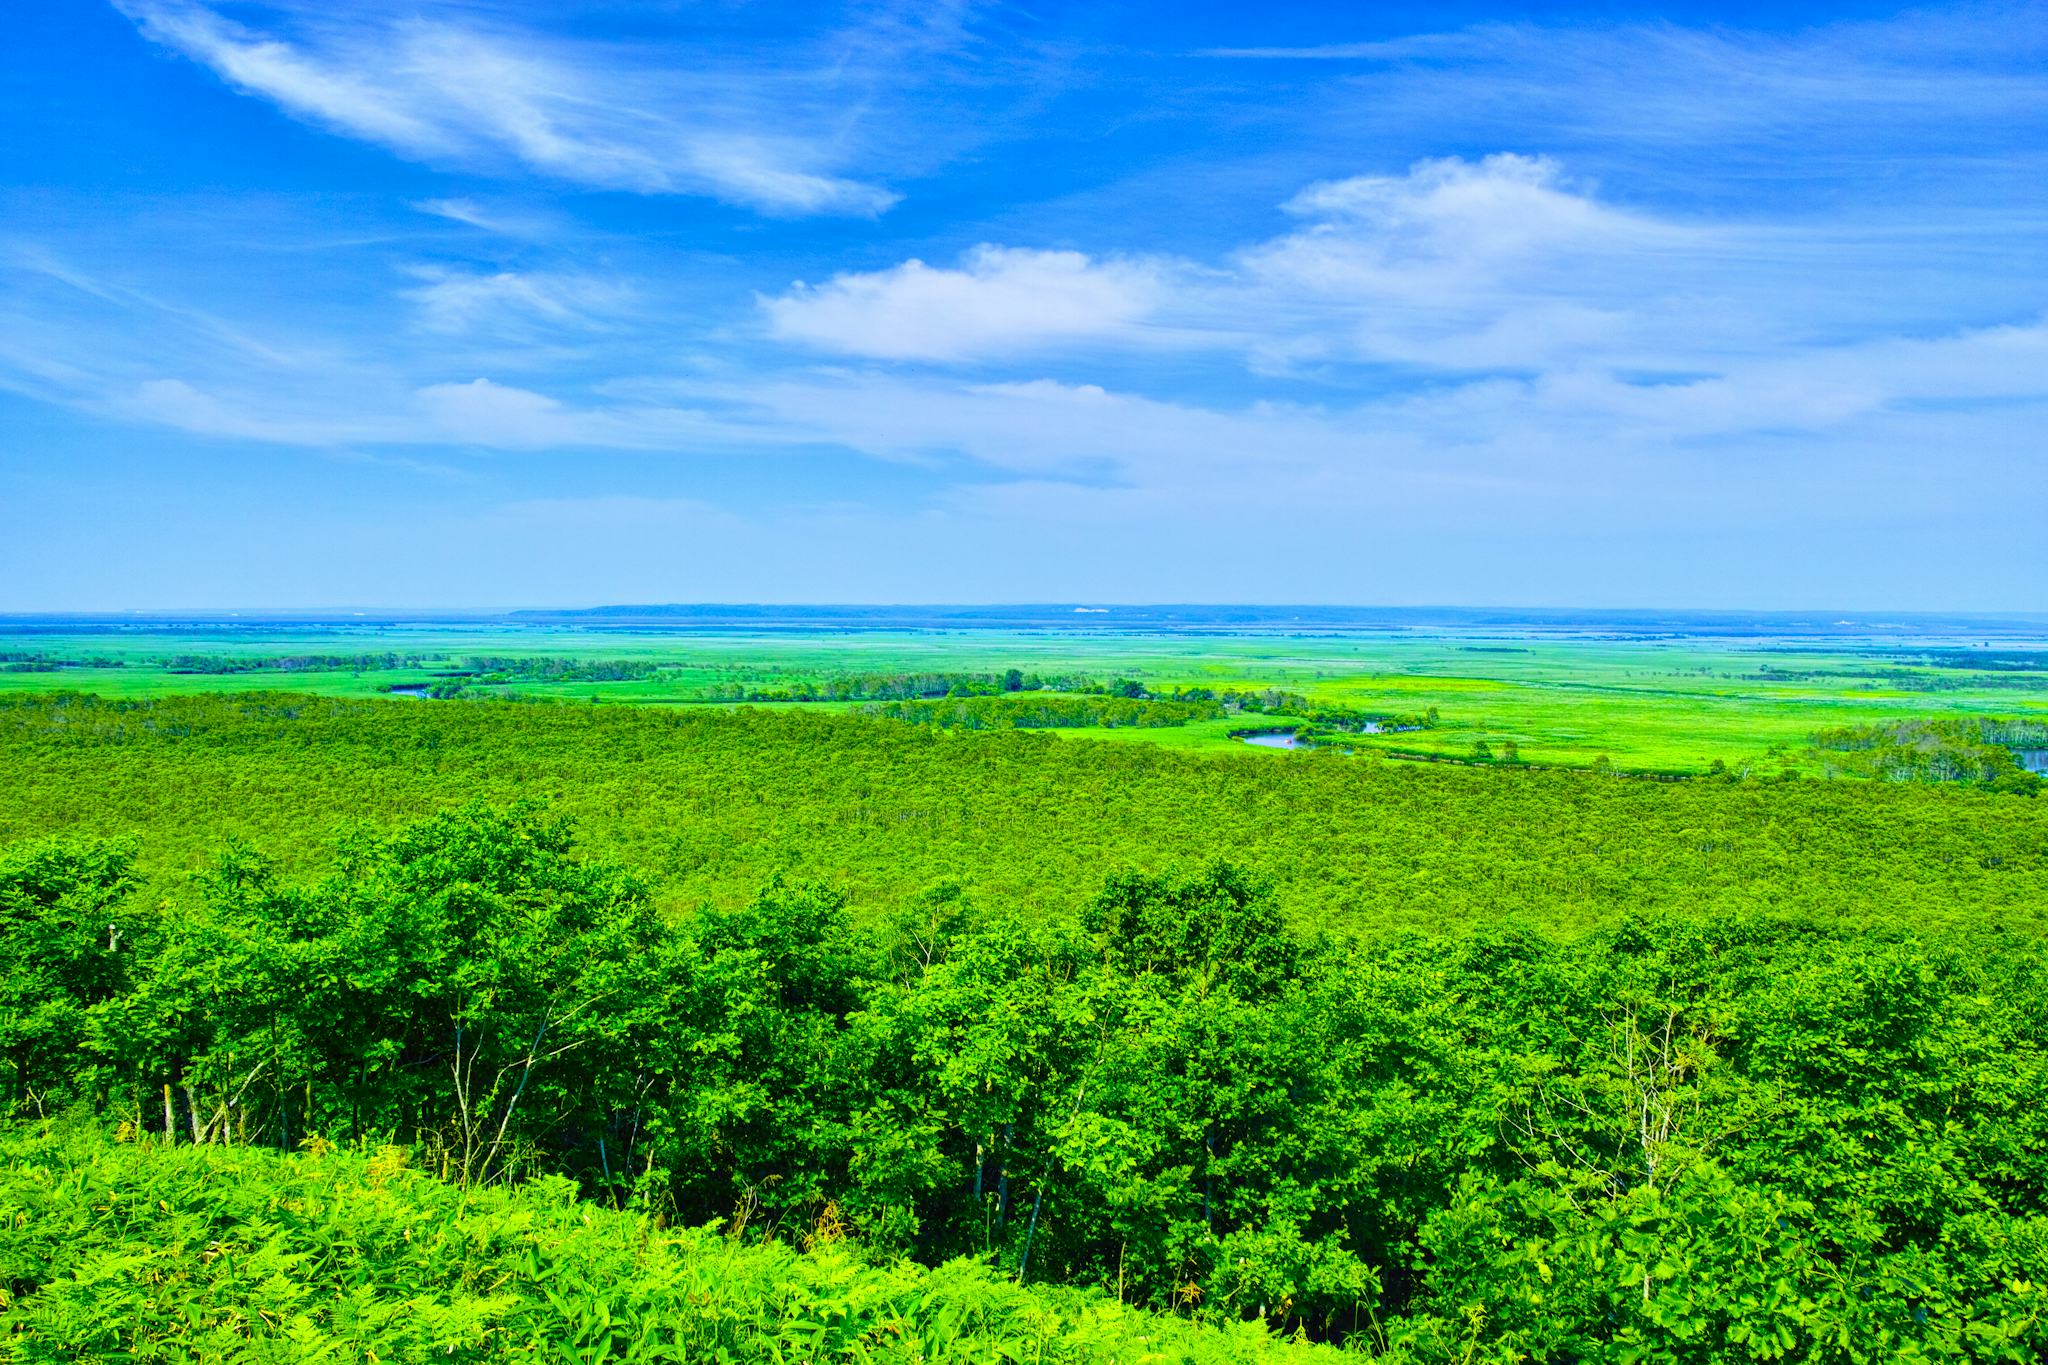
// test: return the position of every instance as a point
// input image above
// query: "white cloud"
(1461, 265)
(480, 413)
(1498, 263)
(513, 302)
(1486, 435)
(1669, 84)
(304, 85)
(488, 217)
(1493, 439)
(441, 92)
(1837, 396)
(176, 403)
(1504, 263)
(999, 301)
(1045, 431)
(1446, 223)
(505, 417)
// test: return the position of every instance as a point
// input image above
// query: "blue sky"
(491, 304)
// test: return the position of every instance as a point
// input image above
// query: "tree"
(68, 942)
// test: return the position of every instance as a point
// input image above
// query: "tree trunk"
(192, 1112)
(1030, 1231)
(1003, 1177)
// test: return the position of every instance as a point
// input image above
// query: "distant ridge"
(1284, 619)
(1094, 618)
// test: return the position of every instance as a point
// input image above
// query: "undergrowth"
(123, 1251)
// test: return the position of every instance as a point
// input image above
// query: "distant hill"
(1282, 619)
(1095, 617)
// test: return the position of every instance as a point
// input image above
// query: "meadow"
(1675, 705)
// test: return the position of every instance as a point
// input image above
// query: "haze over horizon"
(492, 304)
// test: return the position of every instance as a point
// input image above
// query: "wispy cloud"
(1496, 434)
(513, 304)
(1971, 59)
(265, 417)
(1503, 262)
(1813, 114)
(500, 220)
(480, 414)
(444, 91)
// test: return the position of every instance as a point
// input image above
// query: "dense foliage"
(708, 805)
(281, 663)
(899, 691)
(1044, 711)
(552, 668)
(911, 686)
(1686, 1137)
(1978, 750)
(112, 1252)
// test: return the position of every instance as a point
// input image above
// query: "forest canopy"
(1683, 1136)
(1020, 1035)
(708, 806)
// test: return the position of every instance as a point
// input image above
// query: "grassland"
(1676, 705)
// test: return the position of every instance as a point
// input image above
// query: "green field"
(1662, 705)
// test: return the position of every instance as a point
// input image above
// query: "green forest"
(381, 1029)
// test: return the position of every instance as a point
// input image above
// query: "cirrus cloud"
(443, 92)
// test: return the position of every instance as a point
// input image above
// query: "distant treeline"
(1679, 1138)
(553, 669)
(1986, 660)
(478, 668)
(481, 677)
(914, 686)
(23, 661)
(1339, 726)
(2024, 660)
(1041, 711)
(2009, 674)
(293, 663)
(1977, 750)
(1082, 700)
(931, 686)
(1122, 703)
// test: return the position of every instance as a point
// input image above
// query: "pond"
(2033, 760)
(1283, 740)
